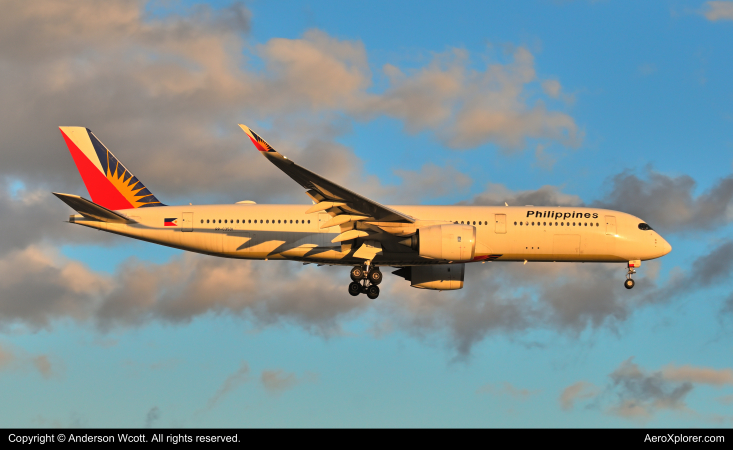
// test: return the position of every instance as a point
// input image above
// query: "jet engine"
(451, 242)
(439, 277)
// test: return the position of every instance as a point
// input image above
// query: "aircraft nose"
(665, 247)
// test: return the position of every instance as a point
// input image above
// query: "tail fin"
(109, 182)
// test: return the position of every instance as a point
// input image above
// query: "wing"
(344, 205)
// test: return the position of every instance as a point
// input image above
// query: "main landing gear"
(365, 280)
(629, 283)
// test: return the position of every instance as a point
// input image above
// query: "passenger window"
(544, 223)
(202, 220)
(219, 220)
(515, 223)
(309, 221)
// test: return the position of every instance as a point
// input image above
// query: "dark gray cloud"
(35, 216)
(707, 270)
(507, 298)
(636, 393)
(39, 286)
(728, 304)
(668, 203)
(192, 285)
(641, 393)
(152, 416)
(496, 194)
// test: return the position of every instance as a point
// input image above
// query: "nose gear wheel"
(629, 283)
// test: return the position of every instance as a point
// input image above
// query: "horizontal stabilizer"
(91, 210)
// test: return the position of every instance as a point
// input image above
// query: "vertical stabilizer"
(108, 181)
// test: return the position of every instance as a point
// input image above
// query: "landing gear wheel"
(373, 292)
(629, 283)
(354, 288)
(357, 273)
(375, 277)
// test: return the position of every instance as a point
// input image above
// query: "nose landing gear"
(629, 283)
(365, 280)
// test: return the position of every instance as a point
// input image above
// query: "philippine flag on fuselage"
(170, 222)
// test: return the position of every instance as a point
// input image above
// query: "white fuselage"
(530, 233)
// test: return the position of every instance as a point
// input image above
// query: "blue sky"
(626, 105)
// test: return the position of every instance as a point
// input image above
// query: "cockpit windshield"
(644, 227)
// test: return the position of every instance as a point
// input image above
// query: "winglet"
(259, 143)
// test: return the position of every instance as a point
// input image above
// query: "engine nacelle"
(452, 242)
(439, 277)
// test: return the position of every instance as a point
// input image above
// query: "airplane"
(428, 245)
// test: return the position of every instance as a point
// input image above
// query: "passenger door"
(500, 223)
(611, 225)
(187, 222)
